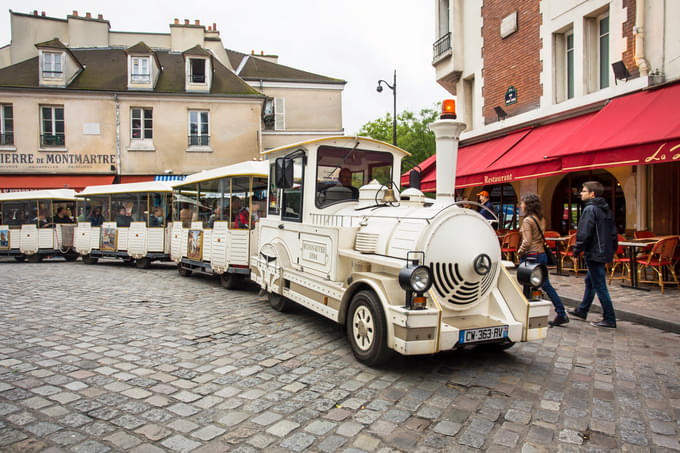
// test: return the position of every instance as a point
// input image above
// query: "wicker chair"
(510, 244)
(620, 260)
(660, 258)
(567, 254)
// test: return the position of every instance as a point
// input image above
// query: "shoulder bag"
(550, 257)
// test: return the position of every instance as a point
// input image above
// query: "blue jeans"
(547, 287)
(596, 283)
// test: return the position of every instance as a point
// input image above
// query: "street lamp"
(392, 87)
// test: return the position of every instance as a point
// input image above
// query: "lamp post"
(392, 87)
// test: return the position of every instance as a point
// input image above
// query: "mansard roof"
(105, 69)
(256, 68)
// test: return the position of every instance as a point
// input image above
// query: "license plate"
(483, 334)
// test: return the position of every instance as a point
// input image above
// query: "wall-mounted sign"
(511, 95)
(509, 24)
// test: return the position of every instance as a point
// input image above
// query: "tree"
(413, 134)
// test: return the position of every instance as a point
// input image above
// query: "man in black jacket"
(597, 239)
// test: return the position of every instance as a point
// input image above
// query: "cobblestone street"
(108, 358)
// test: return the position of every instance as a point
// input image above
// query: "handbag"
(550, 257)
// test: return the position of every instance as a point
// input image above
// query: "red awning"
(133, 178)
(637, 129)
(530, 157)
(76, 182)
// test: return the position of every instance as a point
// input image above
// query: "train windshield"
(340, 172)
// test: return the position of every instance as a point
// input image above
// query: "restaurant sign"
(13, 162)
(664, 153)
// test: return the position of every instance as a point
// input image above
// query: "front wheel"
(230, 280)
(366, 329)
(278, 302)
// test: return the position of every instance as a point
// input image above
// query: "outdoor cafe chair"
(568, 254)
(660, 258)
(620, 260)
(643, 253)
(510, 244)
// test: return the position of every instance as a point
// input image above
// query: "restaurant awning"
(76, 182)
(636, 129)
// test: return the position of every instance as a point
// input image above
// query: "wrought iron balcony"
(199, 140)
(52, 140)
(441, 45)
(7, 138)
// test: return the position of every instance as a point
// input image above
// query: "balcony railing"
(199, 140)
(52, 140)
(7, 139)
(441, 45)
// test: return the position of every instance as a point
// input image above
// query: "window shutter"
(279, 114)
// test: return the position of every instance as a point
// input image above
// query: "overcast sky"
(360, 41)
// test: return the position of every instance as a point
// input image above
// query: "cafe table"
(631, 247)
(558, 248)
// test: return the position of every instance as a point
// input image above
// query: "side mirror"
(283, 173)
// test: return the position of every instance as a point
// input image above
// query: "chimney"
(176, 21)
(447, 134)
(42, 13)
(35, 12)
(197, 22)
(88, 15)
(100, 16)
(209, 28)
(214, 26)
(186, 21)
(75, 13)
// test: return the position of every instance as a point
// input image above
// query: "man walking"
(597, 239)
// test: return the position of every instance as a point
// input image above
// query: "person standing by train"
(531, 230)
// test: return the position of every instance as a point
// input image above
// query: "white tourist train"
(402, 272)
(125, 221)
(215, 214)
(38, 224)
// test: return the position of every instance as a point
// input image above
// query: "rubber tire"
(87, 259)
(143, 263)
(184, 272)
(34, 258)
(279, 302)
(377, 352)
(20, 259)
(71, 256)
(232, 281)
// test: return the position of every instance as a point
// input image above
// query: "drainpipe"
(115, 99)
(640, 38)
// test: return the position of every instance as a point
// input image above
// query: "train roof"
(51, 194)
(247, 168)
(133, 187)
(338, 138)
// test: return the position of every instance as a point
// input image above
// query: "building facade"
(81, 104)
(535, 82)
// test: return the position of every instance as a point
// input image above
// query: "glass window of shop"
(505, 205)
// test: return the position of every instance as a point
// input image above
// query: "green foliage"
(413, 133)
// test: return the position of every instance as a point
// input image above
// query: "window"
(274, 114)
(340, 172)
(128, 207)
(603, 32)
(273, 191)
(291, 202)
(6, 124)
(52, 126)
(570, 65)
(199, 130)
(141, 124)
(159, 207)
(52, 67)
(140, 70)
(17, 213)
(443, 18)
(197, 67)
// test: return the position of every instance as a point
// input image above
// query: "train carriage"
(125, 221)
(402, 272)
(215, 214)
(38, 224)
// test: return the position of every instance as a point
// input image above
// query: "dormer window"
(52, 65)
(141, 70)
(197, 66)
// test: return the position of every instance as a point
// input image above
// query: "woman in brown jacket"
(532, 246)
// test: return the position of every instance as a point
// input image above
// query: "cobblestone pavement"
(112, 358)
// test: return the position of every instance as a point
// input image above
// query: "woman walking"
(532, 246)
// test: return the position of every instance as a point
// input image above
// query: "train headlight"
(531, 274)
(415, 278)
